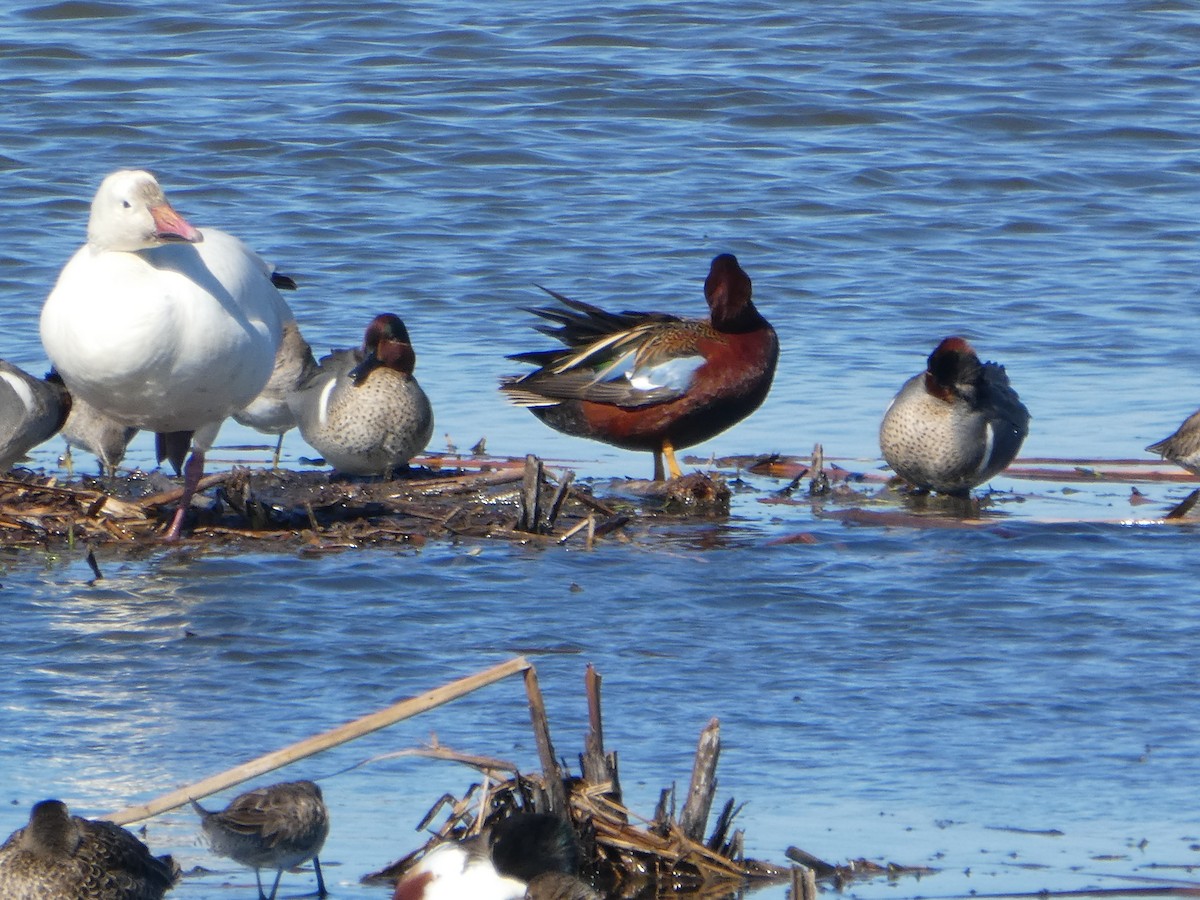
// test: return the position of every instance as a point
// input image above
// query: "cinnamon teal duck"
(652, 381)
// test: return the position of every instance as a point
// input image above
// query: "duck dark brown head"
(952, 365)
(727, 289)
(386, 344)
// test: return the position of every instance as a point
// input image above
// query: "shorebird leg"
(672, 465)
(321, 892)
(192, 471)
(274, 887)
(658, 466)
(278, 450)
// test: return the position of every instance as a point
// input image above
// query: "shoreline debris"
(624, 855)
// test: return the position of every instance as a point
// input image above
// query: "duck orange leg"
(668, 450)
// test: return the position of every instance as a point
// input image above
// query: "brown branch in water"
(587, 499)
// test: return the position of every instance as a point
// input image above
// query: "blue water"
(888, 174)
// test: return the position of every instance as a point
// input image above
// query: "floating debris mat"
(516, 500)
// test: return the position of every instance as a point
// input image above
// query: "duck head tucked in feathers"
(500, 863)
(31, 411)
(956, 424)
(58, 856)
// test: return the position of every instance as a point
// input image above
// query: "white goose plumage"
(159, 325)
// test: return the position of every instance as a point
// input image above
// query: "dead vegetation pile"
(521, 500)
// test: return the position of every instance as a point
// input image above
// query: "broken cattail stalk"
(819, 482)
(560, 496)
(804, 883)
(694, 818)
(541, 732)
(598, 767)
(531, 489)
(396, 712)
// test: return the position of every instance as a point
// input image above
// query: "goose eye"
(126, 204)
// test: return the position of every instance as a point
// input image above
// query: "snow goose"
(159, 325)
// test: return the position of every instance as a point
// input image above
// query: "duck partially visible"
(159, 325)
(559, 886)
(91, 430)
(270, 412)
(32, 410)
(363, 410)
(500, 863)
(58, 856)
(275, 827)
(955, 425)
(652, 381)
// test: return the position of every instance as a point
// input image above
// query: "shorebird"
(275, 827)
(1182, 447)
(270, 412)
(89, 429)
(652, 381)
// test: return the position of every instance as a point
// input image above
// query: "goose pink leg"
(192, 470)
